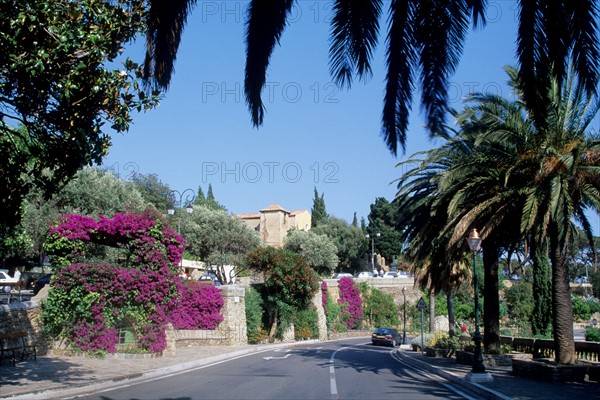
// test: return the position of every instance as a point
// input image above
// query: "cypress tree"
(318, 211)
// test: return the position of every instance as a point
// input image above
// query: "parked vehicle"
(390, 274)
(40, 283)
(582, 279)
(340, 275)
(386, 336)
(210, 276)
(364, 274)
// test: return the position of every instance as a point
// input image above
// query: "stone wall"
(24, 317)
(233, 325)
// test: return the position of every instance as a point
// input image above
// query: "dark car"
(386, 336)
(40, 283)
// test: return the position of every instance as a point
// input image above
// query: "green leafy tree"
(211, 201)
(91, 192)
(254, 315)
(349, 241)
(200, 197)
(290, 282)
(218, 238)
(378, 307)
(61, 91)
(318, 250)
(154, 191)
(318, 211)
(382, 220)
(424, 42)
(519, 301)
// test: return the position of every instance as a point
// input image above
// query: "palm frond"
(400, 61)
(164, 25)
(354, 34)
(265, 24)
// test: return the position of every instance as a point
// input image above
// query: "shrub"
(592, 334)
(306, 324)
(333, 317)
(581, 308)
(428, 340)
(351, 302)
(88, 301)
(381, 309)
(199, 307)
(254, 316)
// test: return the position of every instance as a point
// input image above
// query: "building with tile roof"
(274, 222)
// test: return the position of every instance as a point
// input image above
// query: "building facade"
(274, 222)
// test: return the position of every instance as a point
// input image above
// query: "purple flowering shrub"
(88, 302)
(351, 302)
(199, 307)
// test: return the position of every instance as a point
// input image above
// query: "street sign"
(421, 304)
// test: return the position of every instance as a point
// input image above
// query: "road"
(349, 369)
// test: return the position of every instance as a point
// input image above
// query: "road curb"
(472, 386)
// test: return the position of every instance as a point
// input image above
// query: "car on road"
(582, 279)
(386, 336)
(390, 274)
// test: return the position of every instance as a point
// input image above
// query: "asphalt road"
(350, 369)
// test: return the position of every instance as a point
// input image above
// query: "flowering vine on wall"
(88, 302)
(351, 302)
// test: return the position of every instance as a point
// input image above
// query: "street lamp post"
(478, 373)
(373, 251)
(404, 316)
(186, 197)
(189, 198)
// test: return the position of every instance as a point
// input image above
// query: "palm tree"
(424, 42)
(553, 178)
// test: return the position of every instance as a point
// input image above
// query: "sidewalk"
(504, 385)
(59, 376)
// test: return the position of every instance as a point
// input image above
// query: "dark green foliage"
(318, 212)
(62, 91)
(519, 301)
(379, 308)
(154, 191)
(349, 242)
(382, 220)
(592, 334)
(595, 281)
(254, 315)
(581, 308)
(334, 317)
(541, 316)
(306, 324)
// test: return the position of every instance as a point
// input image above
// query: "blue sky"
(314, 134)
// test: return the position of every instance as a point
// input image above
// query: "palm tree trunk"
(562, 318)
(491, 297)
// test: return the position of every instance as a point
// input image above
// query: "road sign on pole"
(421, 304)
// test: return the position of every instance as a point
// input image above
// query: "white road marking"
(332, 381)
(277, 358)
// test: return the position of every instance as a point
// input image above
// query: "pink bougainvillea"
(351, 302)
(199, 308)
(90, 301)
